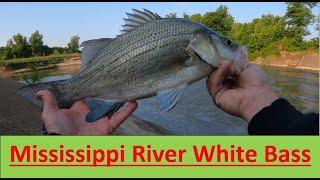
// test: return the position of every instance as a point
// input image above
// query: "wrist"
(256, 101)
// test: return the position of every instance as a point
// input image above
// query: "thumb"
(48, 98)
(215, 80)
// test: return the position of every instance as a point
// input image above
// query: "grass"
(33, 62)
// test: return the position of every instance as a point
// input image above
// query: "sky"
(59, 21)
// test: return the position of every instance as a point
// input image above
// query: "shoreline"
(294, 60)
(78, 62)
(286, 66)
(70, 62)
(306, 61)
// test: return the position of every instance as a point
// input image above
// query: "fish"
(153, 56)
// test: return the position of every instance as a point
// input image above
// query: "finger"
(48, 98)
(208, 81)
(120, 117)
(81, 107)
(216, 79)
(216, 74)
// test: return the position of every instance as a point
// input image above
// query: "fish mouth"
(195, 55)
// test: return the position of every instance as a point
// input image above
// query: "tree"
(58, 50)
(171, 15)
(298, 17)
(220, 20)
(262, 35)
(318, 24)
(6, 52)
(10, 43)
(313, 43)
(36, 43)
(1, 53)
(46, 50)
(19, 46)
(73, 45)
(196, 17)
(186, 16)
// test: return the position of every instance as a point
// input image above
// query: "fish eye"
(228, 42)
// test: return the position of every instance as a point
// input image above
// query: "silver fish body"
(153, 56)
(140, 63)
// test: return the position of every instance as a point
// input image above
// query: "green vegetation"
(33, 62)
(262, 36)
(220, 20)
(21, 53)
(20, 47)
(73, 45)
(171, 15)
(269, 34)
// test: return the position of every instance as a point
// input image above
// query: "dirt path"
(19, 117)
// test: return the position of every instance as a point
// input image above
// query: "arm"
(282, 118)
(249, 96)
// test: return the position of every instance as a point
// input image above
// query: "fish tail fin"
(29, 91)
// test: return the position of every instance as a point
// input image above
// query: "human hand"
(72, 121)
(244, 95)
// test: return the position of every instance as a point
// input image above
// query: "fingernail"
(40, 93)
(38, 96)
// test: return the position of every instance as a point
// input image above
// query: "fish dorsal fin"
(91, 48)
(137, 18)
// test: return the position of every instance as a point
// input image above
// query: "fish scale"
(140, 37)
(143, 67)
(119, 57)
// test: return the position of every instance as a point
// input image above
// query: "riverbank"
(20, 117)
(71, 62)
(21, 65)
(296, 60)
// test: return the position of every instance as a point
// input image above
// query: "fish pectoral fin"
(100, 108)
(168, 98)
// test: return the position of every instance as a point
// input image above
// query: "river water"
(195, 114)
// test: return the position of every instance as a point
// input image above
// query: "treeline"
(264, 36)
(267, 35)
(20, 46)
